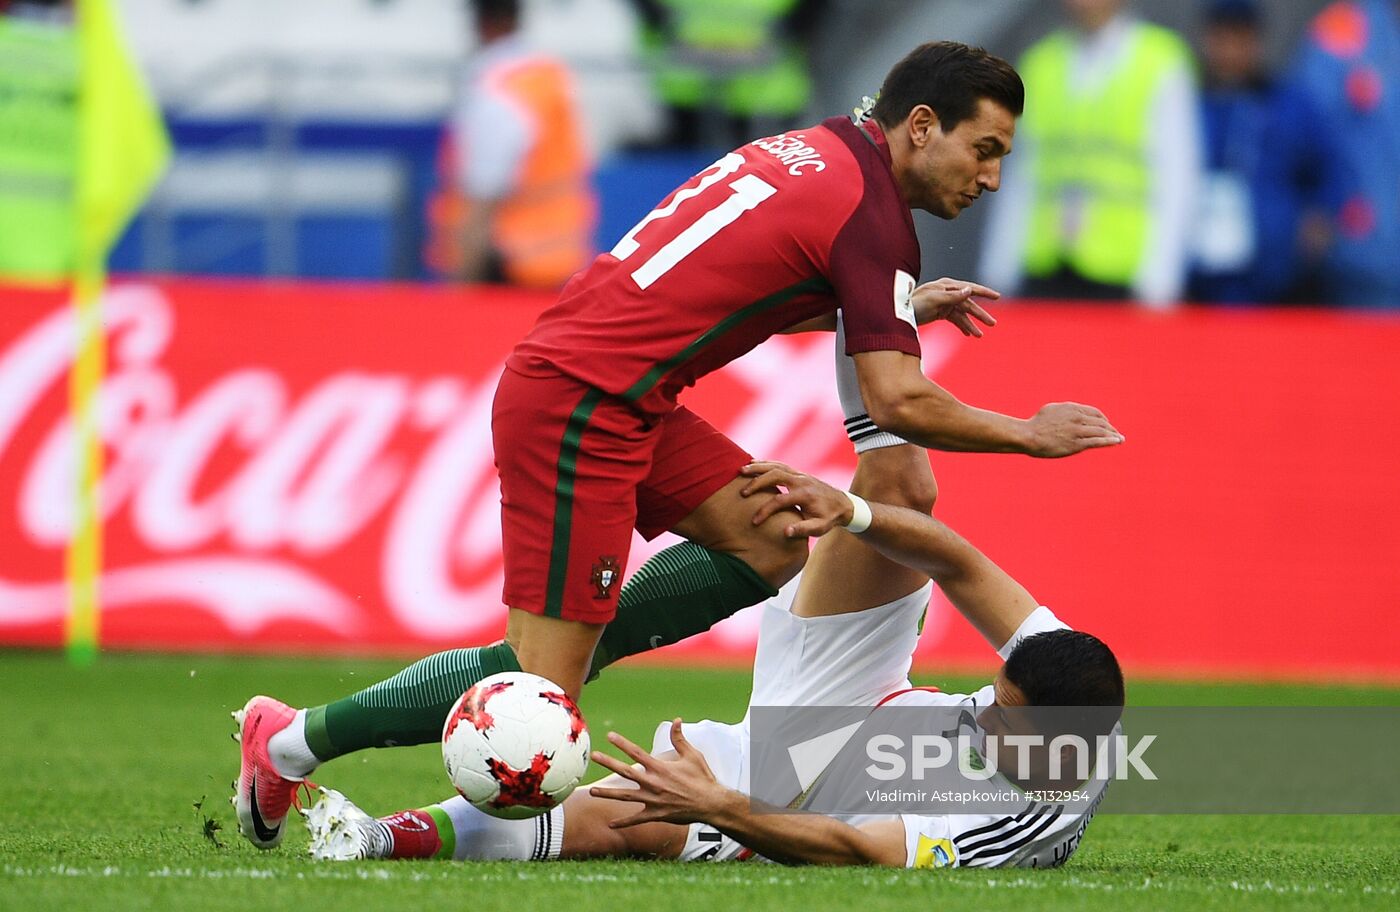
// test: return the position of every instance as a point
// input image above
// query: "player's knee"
(773, 555)
(792, 554)
(898, 476)
(913, 490)
(552, 648)
(725, 523)
(918, 492)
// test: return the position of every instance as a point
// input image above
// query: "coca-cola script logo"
(254, 489)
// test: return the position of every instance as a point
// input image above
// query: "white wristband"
(861, 516)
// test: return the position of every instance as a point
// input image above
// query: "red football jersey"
(775, 233)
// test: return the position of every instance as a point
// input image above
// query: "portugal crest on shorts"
(605, 574)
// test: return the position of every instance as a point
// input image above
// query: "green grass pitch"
(109, 775)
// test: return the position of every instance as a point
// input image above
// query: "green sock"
(680, 592)
(408, 708)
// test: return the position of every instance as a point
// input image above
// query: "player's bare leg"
(453, 829)
(588, 832)
(846, 575)
(728, 563)
(552, 648)
(724, 522)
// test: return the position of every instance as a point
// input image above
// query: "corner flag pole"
(122, 150)
(84, 557)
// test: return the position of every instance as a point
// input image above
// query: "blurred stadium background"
(307, 132)
(299, 465)
(296, 456)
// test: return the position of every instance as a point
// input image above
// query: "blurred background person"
(1236, 99)
(54, 11)
(1098, 198)
(1329, 187)
(729, 70)
(38, 140)
(514, 202)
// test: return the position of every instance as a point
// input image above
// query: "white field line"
(742, 876)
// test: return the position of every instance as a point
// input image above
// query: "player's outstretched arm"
(683, 790)
(945, 299)
(982, 592)
(902, 401)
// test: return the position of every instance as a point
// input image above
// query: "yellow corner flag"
(122, 150)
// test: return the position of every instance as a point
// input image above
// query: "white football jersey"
(863, 659)
(1041, 833)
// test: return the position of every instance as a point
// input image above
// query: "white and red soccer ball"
(515, 745)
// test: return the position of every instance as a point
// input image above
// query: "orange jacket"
(542, 230)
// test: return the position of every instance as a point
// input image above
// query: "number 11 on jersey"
(746, 193)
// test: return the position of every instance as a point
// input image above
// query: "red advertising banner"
(308, 468)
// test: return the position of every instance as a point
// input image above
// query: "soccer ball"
(515, 745)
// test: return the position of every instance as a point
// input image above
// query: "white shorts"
(854, 659)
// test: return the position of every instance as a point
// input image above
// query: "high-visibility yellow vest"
(38, 150)
(726, 53)
(1091, 210)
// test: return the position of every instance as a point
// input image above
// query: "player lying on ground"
(844, 637)
(590, 442)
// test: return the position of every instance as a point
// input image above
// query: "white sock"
(481, 837)
(290, 753)
(862, 431)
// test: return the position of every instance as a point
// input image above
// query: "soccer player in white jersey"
(842, 635)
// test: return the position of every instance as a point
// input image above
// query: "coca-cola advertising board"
(308, 468)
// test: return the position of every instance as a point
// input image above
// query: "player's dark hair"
(1065, 668)
(951, 78)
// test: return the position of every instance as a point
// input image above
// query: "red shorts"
(580, 469)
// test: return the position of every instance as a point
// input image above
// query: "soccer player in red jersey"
(591, 443)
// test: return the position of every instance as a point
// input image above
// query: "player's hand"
(1065, 428)
(679, 789)
(955, 301)
(823, 507)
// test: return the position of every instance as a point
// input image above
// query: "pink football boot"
(262, 795)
